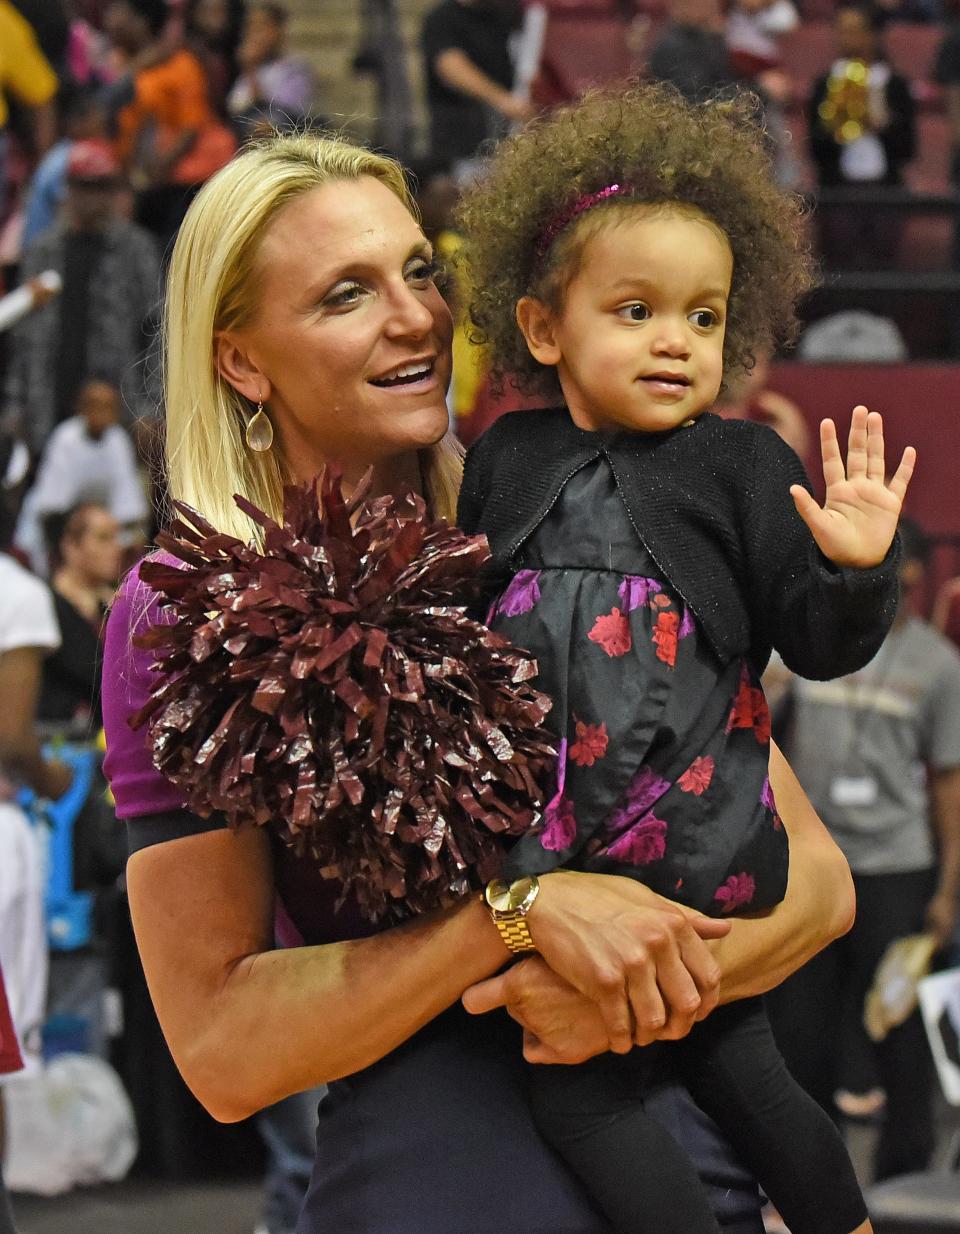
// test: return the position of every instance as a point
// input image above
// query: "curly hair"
(709, 157)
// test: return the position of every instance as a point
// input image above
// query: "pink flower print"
(736, 892)
(767, 799)
(687, 625)
(635, 591)
(560, 824)
(660, 600)
(559, 821)
(696, 779)
(612, 633)
(643, 844)
(522, 593)
(643, 791)
(590, 745)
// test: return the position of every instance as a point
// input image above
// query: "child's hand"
(859, 517)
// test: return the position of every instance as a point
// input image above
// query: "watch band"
(516, 934)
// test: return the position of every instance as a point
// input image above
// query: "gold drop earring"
(259, 430)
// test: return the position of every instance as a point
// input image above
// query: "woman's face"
(350, 347)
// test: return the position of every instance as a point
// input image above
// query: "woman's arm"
(759, 952)
(248, 1024)
(561, 1026)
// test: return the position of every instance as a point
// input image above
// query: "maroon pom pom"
(332, 687)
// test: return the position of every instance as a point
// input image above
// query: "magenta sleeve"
(138, 788)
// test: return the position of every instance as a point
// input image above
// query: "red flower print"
(750, 710)
(665, 635)
(761, 718)
(612, 633)
(696, 779)
(590, 745)
(736, 892)
(560, 824)
(660, 600)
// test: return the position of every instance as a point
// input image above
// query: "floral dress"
(662, 749)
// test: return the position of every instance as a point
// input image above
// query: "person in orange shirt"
(168, 136)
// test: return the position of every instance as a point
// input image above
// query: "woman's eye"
(704, 318)
(635, 312)
(423, 271)
(344, 295)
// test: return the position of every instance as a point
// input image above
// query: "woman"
(302, 317)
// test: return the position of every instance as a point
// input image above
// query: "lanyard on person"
(847, 788)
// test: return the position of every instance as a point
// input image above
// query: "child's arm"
(825, 593)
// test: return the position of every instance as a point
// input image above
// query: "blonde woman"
(303, 325)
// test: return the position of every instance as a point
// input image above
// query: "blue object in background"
(69, 912)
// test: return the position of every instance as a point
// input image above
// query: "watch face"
(507, 897)
(498, 896)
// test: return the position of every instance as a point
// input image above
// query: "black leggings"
(594, 1116)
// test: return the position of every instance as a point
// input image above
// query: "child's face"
(638, 343)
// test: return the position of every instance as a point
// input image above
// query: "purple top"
(306, 900)
(138, 788)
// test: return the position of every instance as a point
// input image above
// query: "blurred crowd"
(113, 113)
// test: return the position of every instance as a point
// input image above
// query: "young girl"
(636, 249)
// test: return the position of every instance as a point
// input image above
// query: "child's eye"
(704, 318)
(635, 312)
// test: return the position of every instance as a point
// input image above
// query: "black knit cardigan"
(710, 502)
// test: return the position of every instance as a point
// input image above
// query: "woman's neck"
(390, 475)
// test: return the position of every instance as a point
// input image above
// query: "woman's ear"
(536, 322)
(236, 367)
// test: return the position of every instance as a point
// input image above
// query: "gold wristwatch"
(509, 904)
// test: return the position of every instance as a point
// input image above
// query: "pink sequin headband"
(573, 209)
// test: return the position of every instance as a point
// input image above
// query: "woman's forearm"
(248, 1024)
(759, 952)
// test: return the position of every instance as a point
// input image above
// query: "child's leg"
(633, 1169)
(735, 1073)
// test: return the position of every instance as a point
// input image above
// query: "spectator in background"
(110, 271)
(10, 1063)
(862, 127)
(27, 76)
(51, 26)
(28, 633)
(469, 78)
(84, 118)
(169, 137)
(947, 72)
(88, 458)
(691, 50)
(754, 30)
(85, 561)
(274, 89)
(213, 31)
(879, 754)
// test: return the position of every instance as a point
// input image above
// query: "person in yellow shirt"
(27, 76)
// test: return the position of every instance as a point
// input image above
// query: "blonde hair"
(211, 287)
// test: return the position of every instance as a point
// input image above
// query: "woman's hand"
(640, 958)
(859, 518)
(560, 1025)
